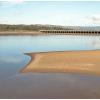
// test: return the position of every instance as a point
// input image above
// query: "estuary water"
(14, 84)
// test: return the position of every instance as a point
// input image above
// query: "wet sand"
(87, 62)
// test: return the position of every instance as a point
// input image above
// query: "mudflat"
(87, 62)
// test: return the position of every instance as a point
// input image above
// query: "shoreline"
(23, 32)
(20, 33)
(85, 62)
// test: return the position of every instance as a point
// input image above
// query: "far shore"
(26, 32)
(20, 33)
(85, 62)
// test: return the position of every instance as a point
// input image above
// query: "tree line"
(5, 27)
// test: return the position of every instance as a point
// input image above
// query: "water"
(14, 84)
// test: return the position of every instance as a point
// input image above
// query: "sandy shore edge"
(20, 33)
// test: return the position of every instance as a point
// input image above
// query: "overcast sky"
(84, 13)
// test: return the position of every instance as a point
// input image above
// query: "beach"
(20, 32)
(86, 62)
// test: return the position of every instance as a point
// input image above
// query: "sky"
(69, 13)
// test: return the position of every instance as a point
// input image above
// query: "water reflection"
(11, 65)
(24, 44)
(53, 85)
(95, 44)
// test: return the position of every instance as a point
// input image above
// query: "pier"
(71, 32)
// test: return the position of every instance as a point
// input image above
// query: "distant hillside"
(37, 27)
(4, 27)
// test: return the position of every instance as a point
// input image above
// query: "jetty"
(70, 32)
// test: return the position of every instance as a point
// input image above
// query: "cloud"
(16, 1)
(3, 20)
(10, 59)
(95, 44)
(95, 19)
(9, 3)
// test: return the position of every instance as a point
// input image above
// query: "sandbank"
(87, 62)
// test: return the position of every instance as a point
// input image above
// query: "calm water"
(14, 84)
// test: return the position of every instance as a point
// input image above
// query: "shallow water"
(14, 84)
